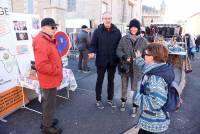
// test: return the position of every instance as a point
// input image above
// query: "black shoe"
(55, 122)
(51, 130)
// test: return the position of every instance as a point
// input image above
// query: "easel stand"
(24, 103)
(66, 98)
(3, 120)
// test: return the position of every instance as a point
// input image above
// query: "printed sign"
(62, 43)
(8, 64)
(15, 45)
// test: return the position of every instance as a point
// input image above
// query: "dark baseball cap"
(48, 22)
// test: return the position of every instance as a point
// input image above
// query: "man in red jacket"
(49, 71)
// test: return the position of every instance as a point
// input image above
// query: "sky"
(176, 9)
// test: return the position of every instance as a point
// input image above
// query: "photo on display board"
(22, 49)
(4, 27)
(35, 23)
(19, 25)
(22, 36)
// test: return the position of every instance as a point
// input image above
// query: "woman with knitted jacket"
(152, 89)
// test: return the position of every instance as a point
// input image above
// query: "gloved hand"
(124, 58)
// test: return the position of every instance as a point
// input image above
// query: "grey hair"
(105, 13)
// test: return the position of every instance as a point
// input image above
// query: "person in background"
(159, 39)
(152, 89)
(190, 44)
(149, 36)
(197, 42)
(142, 32)
(83, 43)
(178, 38)
(173, 41)
(128, 44)
(49, 71)
(104, 43)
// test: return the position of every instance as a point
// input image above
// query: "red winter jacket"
(47, 61)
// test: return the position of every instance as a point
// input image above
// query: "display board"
(8, 64)
(11, 96)
(16, 53)
(24, 28)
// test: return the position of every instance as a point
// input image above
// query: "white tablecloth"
(31, 82)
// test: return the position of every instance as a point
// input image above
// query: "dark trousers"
(83, 60)
(48, 106)
(190, 54)
(111, 69)
(197, 47)
(142, 131)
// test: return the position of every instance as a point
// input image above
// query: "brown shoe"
(51, 130)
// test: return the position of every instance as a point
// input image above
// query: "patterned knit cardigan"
(152, 117)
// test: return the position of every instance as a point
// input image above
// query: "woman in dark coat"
(129, 43)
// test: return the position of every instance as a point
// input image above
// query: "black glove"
(124, 58)
(33, 67)
(134, 105)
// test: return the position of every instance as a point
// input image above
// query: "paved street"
(80, 116)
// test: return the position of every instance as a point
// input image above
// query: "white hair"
(106, 13)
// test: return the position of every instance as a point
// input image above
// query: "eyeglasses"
(146, 54)
(54, 28)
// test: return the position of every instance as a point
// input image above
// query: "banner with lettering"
(11, 96)
(8, 65)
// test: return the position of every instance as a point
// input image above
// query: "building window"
(56, 3)
(30, 7)
(104, 7)
(71, 5)
(130, 11)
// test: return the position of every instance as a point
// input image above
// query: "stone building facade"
(61, 10)
(152, 15)
(191, 25)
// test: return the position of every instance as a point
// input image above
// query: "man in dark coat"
(197, 42)
(82, 43)
(104, 43)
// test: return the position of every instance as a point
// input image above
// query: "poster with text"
(8, 64)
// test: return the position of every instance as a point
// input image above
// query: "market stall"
(178, 58)
(18, 82)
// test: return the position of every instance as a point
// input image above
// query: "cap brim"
(53, 25)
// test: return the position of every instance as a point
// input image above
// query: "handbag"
(193, 50)
(123, 67)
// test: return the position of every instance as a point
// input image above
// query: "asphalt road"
(78, 115)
